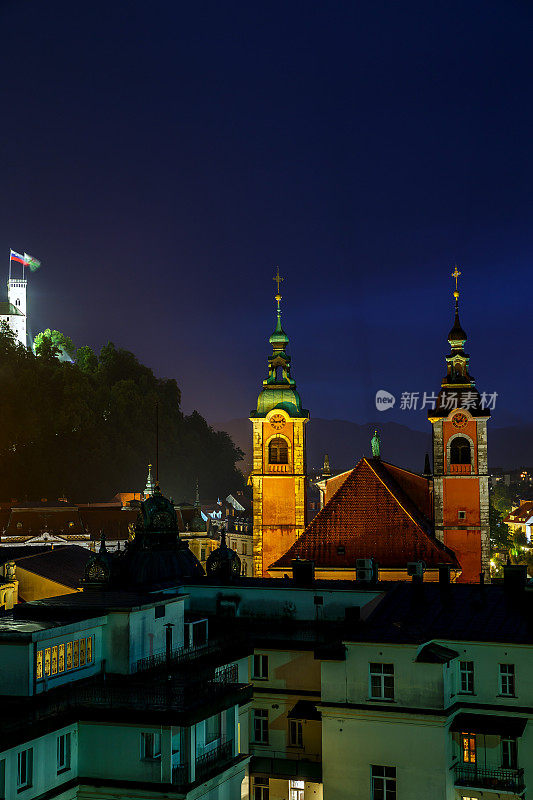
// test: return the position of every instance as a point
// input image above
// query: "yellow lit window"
(54, 660)
(61, 660)
(89, 649)
(76, 653)
(69, 655)
(47, 661)
(469, 748)
(39, 664)
(82, 652)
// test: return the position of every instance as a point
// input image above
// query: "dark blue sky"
(161, 157)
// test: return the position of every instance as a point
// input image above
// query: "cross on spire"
(278, 279)
(455, 274)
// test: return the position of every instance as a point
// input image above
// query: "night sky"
(161, 158)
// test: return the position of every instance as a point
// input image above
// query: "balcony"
(498, 780)
(213, 760)
(460, 469)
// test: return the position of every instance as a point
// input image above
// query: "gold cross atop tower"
(455, 274)
(278, 279)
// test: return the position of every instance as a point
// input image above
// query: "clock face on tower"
(277, 421)
(460, 420)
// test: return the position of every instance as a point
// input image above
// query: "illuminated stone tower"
(279, 462)
(460, 470)
(16, 295)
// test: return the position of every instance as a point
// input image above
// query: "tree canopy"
(87, 429)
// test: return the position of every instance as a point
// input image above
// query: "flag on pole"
(33, 263)
(17, 257)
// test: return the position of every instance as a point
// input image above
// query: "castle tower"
(279, 463)
(16, 295)
(460, 470)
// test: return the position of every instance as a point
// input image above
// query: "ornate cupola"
(279, 463)
(279, 388)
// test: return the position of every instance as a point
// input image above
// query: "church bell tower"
(460, 469)
(279, 460)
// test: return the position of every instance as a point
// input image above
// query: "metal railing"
(207, 762)
(180, 655)
(503, 780)
(180, 774)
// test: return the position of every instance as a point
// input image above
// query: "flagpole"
(9, 263)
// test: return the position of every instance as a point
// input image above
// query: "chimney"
(444, 575)
(303, 571)
(514, 579)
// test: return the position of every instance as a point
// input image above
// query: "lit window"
(278, 451)
(296, 790)
(295, 733)
(150, 746)
(61, 658)
(469, 748)
(69, 655)
(63, 752)
(382, 681)
(47, 659)
(39, 664)
(82, 652)
(509, 753)
(383, 782)
(260, 668)
(261, 790)
(76, 654)
(54, 660)
(507, 680)
(89, 649)
(24, 769)
(260, 725)
(466, 669)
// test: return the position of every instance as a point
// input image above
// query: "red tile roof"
(520, 514)
(380, 511)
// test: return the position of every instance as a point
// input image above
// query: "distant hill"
(346, 442)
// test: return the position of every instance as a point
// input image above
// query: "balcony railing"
(460, 469)
(500, 780)
(208, 762)
(180, 774)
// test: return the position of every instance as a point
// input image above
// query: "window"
(150, 746)
(507, 681)
(383, 781)
(54, 660)
(296, 790)
(76, 654)
(260, 668)
(260, 725)
(63, 752)
(159, 612)
(466, 669)
(461, 514)
(509, 753)
(69, 655)
(24, 769)
(202, 554)
(89, 649)
(82, 652)
(469, 748)
(61, 658)
(278, 451)
(296, 733)
(261, 790)
(460, 451)
(39, 664)
(382, 681)
(213, 728)
(47, 659)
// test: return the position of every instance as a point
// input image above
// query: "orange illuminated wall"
(279, 488)
(461, 512)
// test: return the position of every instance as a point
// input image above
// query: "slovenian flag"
(17, 257)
